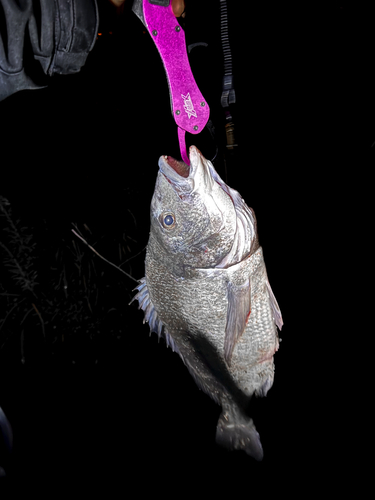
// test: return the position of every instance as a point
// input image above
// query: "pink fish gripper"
(189, 108)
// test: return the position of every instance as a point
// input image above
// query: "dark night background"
(95, 399)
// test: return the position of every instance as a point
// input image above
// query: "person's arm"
(44, 38)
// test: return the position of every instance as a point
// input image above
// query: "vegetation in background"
(58, 297)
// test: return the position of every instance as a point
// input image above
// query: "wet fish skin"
(206, 292)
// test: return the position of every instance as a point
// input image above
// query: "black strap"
(228, 95)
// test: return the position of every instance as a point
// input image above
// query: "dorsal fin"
(151, 316)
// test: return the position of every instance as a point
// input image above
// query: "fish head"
(193, 218)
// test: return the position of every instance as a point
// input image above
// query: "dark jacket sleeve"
(41, 38)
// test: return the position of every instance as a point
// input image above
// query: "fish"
(207, 294)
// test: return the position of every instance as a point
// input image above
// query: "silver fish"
(206, 292)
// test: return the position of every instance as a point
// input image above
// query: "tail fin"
(235, 431)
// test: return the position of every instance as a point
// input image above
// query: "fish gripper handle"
(189, 108)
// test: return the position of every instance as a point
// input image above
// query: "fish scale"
(209, 289)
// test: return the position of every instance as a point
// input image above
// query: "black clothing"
(40, 38)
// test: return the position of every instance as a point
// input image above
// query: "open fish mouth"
(179, 167)
(177, 174)
(197, 176)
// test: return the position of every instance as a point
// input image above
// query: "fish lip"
(200, 177)
(168, 166)
(178, 173)
(177, 170)
(177, 181)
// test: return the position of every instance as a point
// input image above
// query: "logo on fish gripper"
(188, 105)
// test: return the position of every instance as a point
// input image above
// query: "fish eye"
(168, 220)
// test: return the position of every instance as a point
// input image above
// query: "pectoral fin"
(239, 308)
(275, 307)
